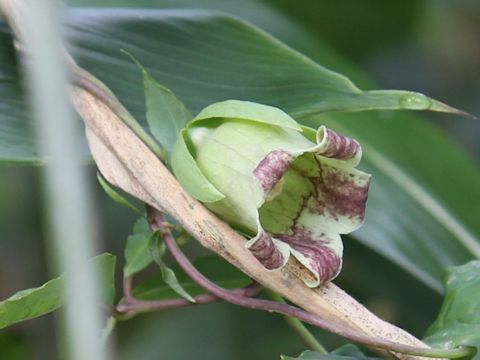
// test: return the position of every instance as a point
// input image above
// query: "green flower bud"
(290, 189)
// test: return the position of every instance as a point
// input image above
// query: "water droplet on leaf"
(414, 101)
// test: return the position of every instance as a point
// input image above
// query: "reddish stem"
(134, 306)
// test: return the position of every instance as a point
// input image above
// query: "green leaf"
(137, 251)
(108, 329)
(166, 114)
(222, 57)
(17, 142)
(246, 110)
(346, 352)
(31, 303)
(157, 249)
(106, 267)
(459, 320)
(206, 57)
(213, 56)
(185, 168)
(115, 196)
(213, 267)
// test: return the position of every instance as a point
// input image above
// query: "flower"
(289, 189)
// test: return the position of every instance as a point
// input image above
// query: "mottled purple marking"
(271, 169)
(340, 147)
(323, 260)
(335, 193)
(338, 194)
(266, 252)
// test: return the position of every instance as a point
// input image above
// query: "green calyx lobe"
(291, 189)
(189, 175)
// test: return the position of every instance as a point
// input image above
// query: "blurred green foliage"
(459, 318)
(356, 28)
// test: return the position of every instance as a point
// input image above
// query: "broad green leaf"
(157, 249)
(214, 55)
(205, 57)
(17, 144)
(137, 251)
(219, 54)
(459, 320)
(166, 114)
(115, 196)
(346, 352)
(30, 303)
(213, 267)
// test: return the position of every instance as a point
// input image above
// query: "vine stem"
(127, 289)
(297, 326)
(157, 222)
(133, 306)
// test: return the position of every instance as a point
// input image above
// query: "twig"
(289, 310)
(135, 306)
(88, 82)
(127, 289)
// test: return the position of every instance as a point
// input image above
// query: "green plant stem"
(298, 326)
(108, 329)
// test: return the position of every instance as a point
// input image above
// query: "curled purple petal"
(321, 196)
(321, 260)
(266, 251)
(338, 146)
(271, 169)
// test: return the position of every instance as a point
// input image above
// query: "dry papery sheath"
(291, 190)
